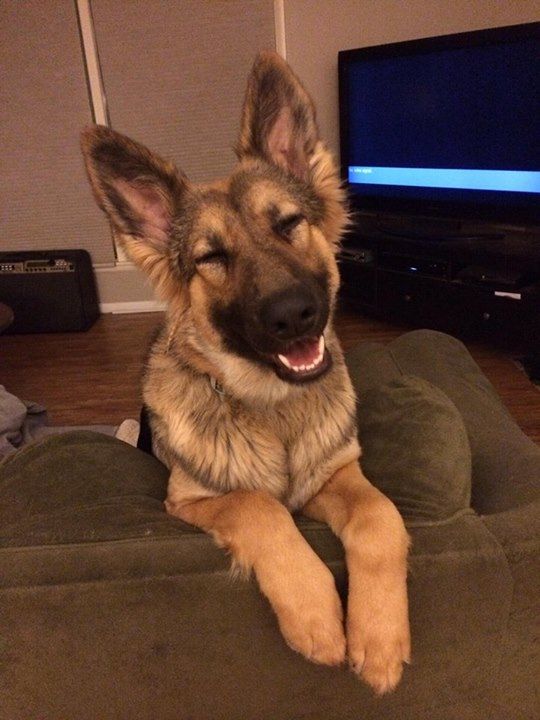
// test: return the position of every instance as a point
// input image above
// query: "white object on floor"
(128, 431)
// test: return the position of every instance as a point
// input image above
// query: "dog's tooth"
(284, 360)
(303, 368)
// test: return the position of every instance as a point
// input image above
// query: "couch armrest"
(516, 529)
(518, 533)
(176, 640)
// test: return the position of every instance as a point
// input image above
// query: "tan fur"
(288, 446)
(242, 459)
(261, 535)
(376, 546)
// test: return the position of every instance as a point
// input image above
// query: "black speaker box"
(49, 291)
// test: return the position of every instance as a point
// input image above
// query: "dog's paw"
(315, 630)
(378, 656)
(309, 611)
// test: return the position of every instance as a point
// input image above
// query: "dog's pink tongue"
(304, 352)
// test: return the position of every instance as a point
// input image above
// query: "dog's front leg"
(376, 545)
(260, 534)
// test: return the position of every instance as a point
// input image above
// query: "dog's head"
(249, 261)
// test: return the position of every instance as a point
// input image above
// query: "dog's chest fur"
(288, 449)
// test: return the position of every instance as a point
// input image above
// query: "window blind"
(175, 73)
(45, 198)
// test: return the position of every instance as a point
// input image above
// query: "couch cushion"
(505, 462)
(80, 486)
(415, 449)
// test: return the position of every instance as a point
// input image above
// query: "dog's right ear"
(138, 190)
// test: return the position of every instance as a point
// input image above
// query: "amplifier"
(49, 290)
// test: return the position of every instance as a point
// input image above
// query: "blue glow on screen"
(501, 180)
(445, 122)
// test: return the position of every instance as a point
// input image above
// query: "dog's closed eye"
(214, 256)
(285, 225)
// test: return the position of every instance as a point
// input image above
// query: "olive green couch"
(110, 609)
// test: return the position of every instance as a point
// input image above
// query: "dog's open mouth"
(304, 360)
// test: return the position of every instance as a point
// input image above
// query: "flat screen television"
(445, 127)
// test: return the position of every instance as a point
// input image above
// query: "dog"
(248, 397)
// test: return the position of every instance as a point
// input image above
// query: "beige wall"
(315, 30)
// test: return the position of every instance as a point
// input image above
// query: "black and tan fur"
(235, 260)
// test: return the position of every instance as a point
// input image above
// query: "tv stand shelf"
(483, 283)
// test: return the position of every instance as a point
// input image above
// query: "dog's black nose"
(290, 314)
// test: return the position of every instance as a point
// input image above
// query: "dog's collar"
(217, 386)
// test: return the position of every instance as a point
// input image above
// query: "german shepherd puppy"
(250, 403)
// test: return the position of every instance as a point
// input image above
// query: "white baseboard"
(136, 306)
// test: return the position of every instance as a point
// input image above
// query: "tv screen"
(445, 126)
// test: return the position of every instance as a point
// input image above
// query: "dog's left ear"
(278, 118)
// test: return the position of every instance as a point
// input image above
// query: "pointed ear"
(278, 118)
(137, 189)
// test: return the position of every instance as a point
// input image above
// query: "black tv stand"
(418, 226)
(438, 237)
(470, 280)
(432, 230)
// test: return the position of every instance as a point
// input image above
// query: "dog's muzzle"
(293, 321)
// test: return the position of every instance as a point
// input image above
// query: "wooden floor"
(93, 377)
